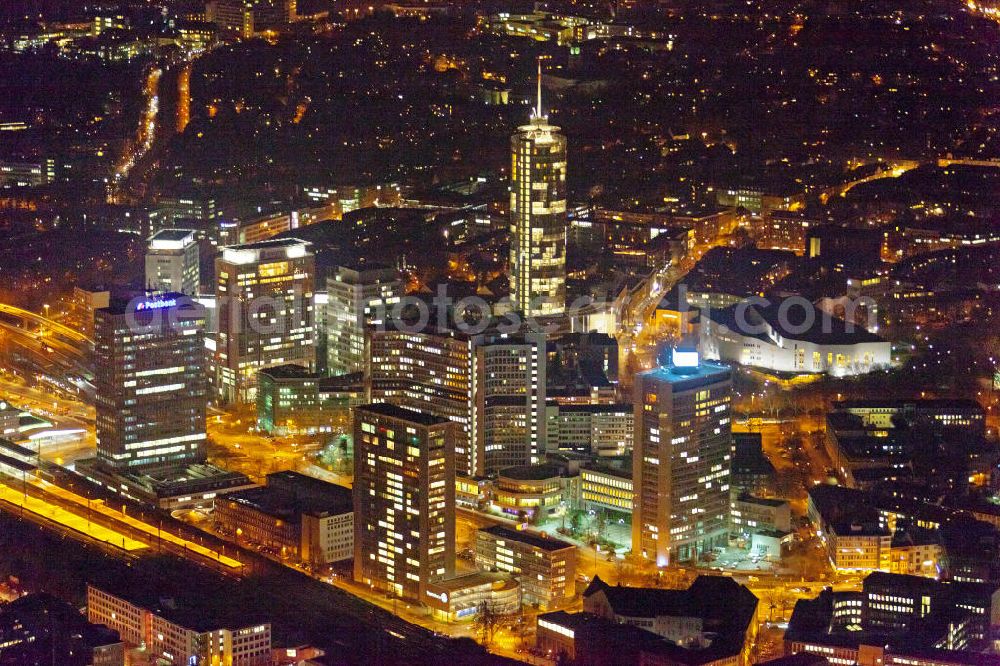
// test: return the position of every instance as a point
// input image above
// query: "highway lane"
(54, 326)
(16, 390)
(47, 352)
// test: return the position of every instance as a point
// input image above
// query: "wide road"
(235, 447)
(63, 363)
(55, 327)
(637, 338)
(15, 390)
(63, 413)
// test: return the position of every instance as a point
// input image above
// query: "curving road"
(48, 324)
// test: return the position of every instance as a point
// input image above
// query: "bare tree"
(600, 524)
(487, 621)
(620, 570)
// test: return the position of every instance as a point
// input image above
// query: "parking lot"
(737, 559)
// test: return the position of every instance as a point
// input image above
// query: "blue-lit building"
(682, 458)
(151, 385)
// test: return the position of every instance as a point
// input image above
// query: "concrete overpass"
(56, 353)
(48, 324)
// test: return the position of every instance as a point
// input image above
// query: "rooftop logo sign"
(156, 304)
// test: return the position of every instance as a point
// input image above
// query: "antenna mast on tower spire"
(538, 109)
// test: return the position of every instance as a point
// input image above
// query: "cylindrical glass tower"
(538, 218)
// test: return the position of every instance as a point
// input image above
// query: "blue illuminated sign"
(156, 304)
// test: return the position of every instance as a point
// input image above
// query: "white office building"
(172, 262)
(357, 296)
(681, 460)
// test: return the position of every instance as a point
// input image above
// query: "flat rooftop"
(336, 497)
(706, 372)
(291, 494)
(624, 472)
(269, 244)
(152, 303)
(916, 403)
(16, 463)
(763, 501)
(350, 382)
(171, 482)
(531, 538)
(264, 500)
(530, 472)
(172, 235)
(473, 579)
(620, 407)
(365, 270)
(289, 371)
(7, 446)
(402, 413)
(189, 599)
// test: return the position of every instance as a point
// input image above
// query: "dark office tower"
(404, 499)
(151, 383)
(433, 372)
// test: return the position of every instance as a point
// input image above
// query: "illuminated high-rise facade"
(510, 402)
(151, 388)
(264, 300)
(357, 297)
(172, 263)
(491, 384)
(404, 499)
(430, 371)
(681, 459)
(538, 217)
(246, 18)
